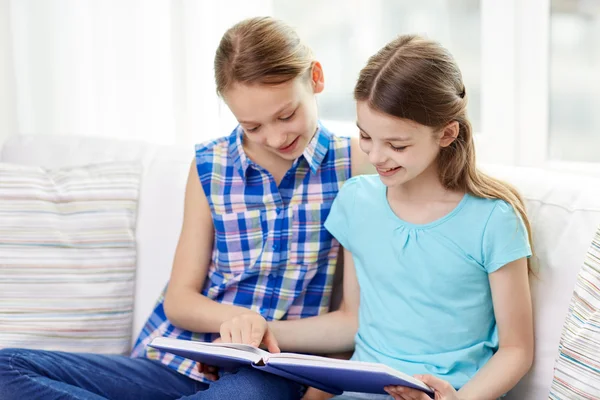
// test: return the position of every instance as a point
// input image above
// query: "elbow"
(528, 359)
(350, 317)
(172, 309)
(521, 358)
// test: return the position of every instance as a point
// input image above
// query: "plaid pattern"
(271, 252)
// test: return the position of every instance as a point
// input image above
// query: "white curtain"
(132, 69)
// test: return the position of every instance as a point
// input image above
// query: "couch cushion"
(577, 370)
(68, 256)
(160, 211)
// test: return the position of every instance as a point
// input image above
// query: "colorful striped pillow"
(577, 369)
(68, 257)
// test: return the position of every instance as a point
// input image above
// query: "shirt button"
(275, 246)
(278, 210)
(271, 277)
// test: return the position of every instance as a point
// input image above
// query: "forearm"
(197, 313)
(499, 375)
(327, 333)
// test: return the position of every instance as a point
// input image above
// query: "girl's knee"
(255, 384)
(7, 357)
(13, 359)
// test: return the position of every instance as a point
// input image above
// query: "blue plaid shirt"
(271, 253)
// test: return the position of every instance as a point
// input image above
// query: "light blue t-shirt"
(425, 299)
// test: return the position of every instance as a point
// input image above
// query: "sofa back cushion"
(577, 369)
(160, 211)
(68, 256)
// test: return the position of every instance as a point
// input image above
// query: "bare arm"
(185, 306)
(328, 333)
(321, 334)
(512, 307)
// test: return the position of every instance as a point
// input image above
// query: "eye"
(250, 130)
(364, 137)
(289, 117)
(401, 148)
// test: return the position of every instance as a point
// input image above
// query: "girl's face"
(401, 150)
(281, 118)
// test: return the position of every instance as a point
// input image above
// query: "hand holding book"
(443, 390)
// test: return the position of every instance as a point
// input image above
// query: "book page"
(234, 350)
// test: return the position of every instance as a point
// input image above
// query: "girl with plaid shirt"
(252, 240)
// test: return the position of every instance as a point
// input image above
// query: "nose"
(276, 139)
(376, 156)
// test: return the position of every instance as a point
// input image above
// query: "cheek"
(255, 138)
(364, 146)
(301, 125)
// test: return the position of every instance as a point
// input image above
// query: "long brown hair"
(260, 50)
(417, 79)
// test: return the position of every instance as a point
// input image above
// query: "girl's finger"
(396, 393)
(236, 335)
(225, 334)
(245, 333)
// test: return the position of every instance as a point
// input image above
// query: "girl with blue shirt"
(435, 252)
(252, 240)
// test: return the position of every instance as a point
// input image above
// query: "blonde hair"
(417, 79)
(260, 50)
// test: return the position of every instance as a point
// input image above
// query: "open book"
(328, 374)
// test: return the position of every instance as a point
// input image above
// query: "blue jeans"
(37, 374)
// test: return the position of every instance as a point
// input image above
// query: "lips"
(388, 172)
(385, 170)
(289, 147)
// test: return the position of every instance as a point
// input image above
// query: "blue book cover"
(328, 374)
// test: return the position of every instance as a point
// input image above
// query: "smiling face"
(279, 119)
(401, 150)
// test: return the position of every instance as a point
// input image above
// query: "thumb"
(271, 343)
(437, 384)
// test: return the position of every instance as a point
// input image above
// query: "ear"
(449, 134)
(317, 79)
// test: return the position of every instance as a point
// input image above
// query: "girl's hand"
(316, 394)
(249, 328)
(210, 371)
(443, 390)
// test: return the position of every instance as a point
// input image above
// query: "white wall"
(8, 117)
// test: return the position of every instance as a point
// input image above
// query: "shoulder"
(495, 217)
(212, 147)
(362, 188)
(485, 208)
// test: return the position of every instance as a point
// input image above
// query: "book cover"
(331, 375)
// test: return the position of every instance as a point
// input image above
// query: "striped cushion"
(577, 369)
(68, 257)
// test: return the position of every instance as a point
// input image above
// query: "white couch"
(564, 209)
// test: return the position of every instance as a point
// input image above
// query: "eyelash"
(289, 117)
(398, 149)
(402, 148)
(286, 119)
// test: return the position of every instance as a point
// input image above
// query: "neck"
(266, 159)
(425, 187)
